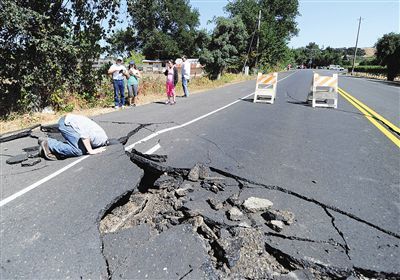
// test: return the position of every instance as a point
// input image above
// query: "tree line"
(387, 55)
(313, 56)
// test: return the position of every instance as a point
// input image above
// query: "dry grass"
(374, 76)
(152, 90)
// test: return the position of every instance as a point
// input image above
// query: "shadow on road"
(159, 102)
(389, 83)
(306, 104)
(248, 100)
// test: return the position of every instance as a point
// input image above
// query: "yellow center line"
(372, 112)
(371, 117)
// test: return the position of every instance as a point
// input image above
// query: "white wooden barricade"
(266, 88)
(324, 91)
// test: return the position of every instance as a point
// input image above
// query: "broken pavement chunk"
(275, 225)
(201, 226)
(216, 205)
(31, 162)
(234, 214)
(254, 204)
(282, 215)
(9, 136)
(199, 171)
(17, 159)
(181, 192)
(165, 182)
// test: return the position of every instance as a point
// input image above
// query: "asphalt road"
(340, 173)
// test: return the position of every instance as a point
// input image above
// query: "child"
(172, 79)
(133, 83)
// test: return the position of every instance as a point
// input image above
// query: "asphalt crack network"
(346, 246)
(312, 200)
(290, 237)
(208, 200)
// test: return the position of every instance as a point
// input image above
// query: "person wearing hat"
(133, 82)
(185, 76)
(118, 71)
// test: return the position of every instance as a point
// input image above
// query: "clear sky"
(209, 9)
(328, 22)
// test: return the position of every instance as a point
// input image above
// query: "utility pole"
(258, 37)
(355, 51)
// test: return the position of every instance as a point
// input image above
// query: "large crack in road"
(240, 237)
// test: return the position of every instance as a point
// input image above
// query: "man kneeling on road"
(82, 135)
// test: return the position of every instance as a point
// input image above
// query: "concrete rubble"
(201, 224)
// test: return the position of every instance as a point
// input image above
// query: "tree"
(164, 28)
(350, 51)
(388, 54)
(228, 43)
(319, 57)
(300, 56)
(47, 47)
(278, 25)
(135, 56)
(313, 54)
(121, 42)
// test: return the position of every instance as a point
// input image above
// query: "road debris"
(242, 237)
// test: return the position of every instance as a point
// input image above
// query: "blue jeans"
(119, 89)
(72, 148)
(185, 86)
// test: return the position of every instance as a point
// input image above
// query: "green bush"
(370, 69)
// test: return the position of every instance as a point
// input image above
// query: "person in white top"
(185, 76)
(118, 72)
(82, 135)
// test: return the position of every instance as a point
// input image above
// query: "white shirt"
(186, 70)
(87, 129)
(116, 71)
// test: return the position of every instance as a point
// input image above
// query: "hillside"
(369, 52)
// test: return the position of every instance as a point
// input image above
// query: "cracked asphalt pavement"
(248, 191)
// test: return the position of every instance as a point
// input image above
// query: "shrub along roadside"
(370, 69)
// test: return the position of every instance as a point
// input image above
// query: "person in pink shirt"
(172, 79)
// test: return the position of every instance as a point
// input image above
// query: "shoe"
(116, 107)
(173, 103)
(167, 102)
(44, 149)
(122, 107)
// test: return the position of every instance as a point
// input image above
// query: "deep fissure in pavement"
(235, 232)
(160, 203)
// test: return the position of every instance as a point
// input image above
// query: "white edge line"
(51, 176)
(38, 183)
(154, 149)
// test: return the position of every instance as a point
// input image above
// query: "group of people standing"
(119, 72)
(133, 75)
